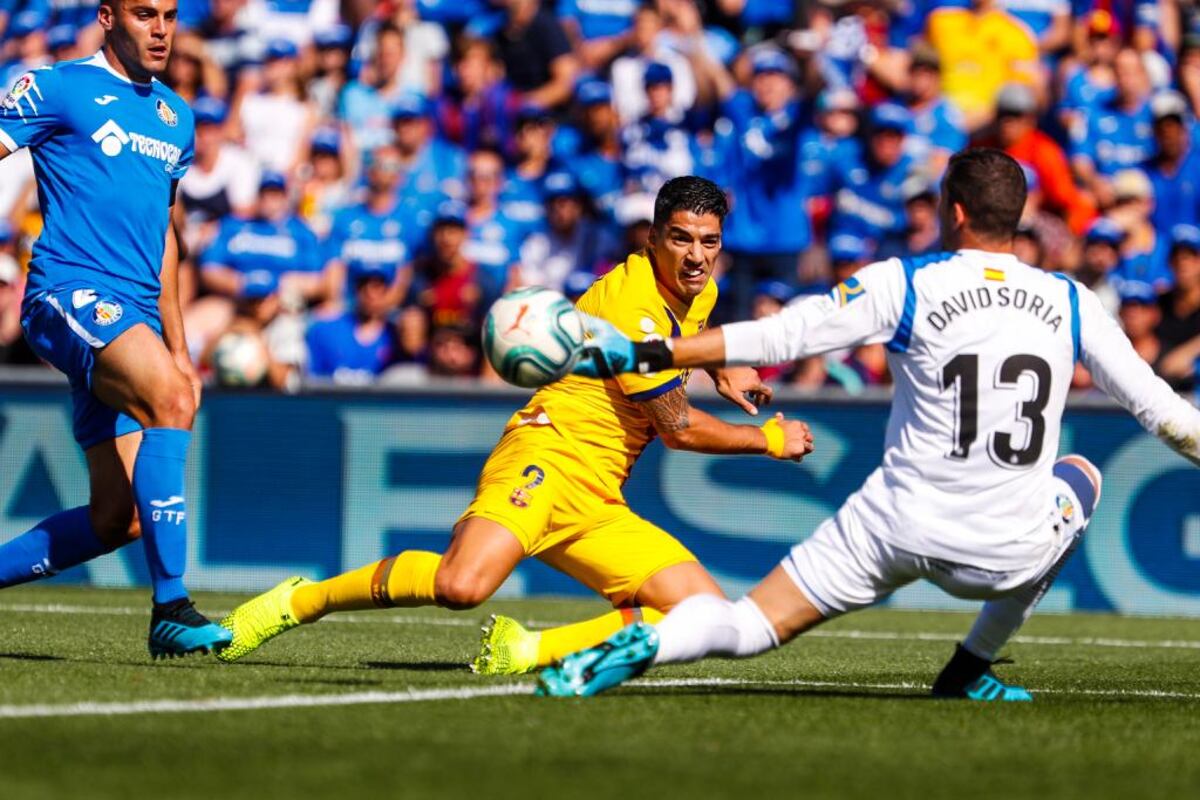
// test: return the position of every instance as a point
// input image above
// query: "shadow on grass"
(30, 657)
(777, 691)
(419, 666)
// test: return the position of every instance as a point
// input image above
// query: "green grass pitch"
(842, 713)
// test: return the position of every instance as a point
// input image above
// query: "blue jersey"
(1114, 139)
(494, 245)
(107, 153)
(247, 245)
(599, 18)
(1038, 15)
(656, 150)
(369, 242)
(758, 157)
(335, 350)
(522, 201)
(819, 152)
(1083, 95)
(869, 200)
(1179, 190)
(438, 169)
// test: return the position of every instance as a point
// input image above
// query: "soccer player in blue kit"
(109, 144)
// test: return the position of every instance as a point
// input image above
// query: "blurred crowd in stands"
(369, 176)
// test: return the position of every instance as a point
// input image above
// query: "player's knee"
(116, 526)
(173, 406)
(1083, 477)
(461, 589)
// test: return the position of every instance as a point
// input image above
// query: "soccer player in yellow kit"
(552, 487)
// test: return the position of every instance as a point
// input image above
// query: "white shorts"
(844, 567)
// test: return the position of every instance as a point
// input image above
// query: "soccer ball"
(240, 359)
(532, 336)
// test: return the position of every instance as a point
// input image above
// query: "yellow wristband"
(775, 440)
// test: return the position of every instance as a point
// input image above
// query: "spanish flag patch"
(991, 274)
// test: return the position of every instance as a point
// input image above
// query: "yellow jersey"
(980, 52)
(601, 419)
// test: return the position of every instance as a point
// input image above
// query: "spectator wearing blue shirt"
(922, 233)
(356, 347)
(1144, 251)
(595, 155)
(1179, 330)
(380, 235)
(26, 44)
(1089, 84)
(868, 192)
(366, 103)
(1175, 168)
(756, 156)
(1101, 256)
(657, 147)
(571, 239)
(938, 130)
(493, 240)
(432, 166)
(1118, 135)
(597, 29)
(522, 199)
(831, 141)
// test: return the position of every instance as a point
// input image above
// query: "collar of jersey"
(101, 61)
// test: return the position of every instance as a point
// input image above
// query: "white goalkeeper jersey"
(982, 349)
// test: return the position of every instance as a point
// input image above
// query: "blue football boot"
(968, 677)
(624, 655)
(990, 689)
(177, 629)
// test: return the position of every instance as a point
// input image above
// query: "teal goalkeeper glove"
(607, 352)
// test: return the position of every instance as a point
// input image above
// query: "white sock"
(1001, 619)
(707, 625)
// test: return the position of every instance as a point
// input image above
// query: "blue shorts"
(66, 328)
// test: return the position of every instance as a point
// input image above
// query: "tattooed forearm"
(668, 412)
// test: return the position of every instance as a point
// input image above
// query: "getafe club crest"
(166, 114)
(107, 312)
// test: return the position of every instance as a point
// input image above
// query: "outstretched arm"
(683, 427)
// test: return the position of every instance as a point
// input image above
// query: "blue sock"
(58, 542)
(158, 491)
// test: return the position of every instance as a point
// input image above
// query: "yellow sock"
(405, 580)
(555, 643)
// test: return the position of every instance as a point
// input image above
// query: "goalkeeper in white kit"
(970, 494)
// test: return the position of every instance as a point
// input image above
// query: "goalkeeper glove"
(607, 352)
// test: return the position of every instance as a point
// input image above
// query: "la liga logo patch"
(166, 114)
(107, 312)
(22, 87)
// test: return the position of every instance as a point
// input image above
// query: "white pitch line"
(269, 702)
(461, 622)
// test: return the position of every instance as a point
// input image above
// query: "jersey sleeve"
(641, 315)
(1122, 374)
(865, 309)
(32, 111)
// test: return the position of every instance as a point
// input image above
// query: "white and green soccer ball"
(532, 336)
(240, 359)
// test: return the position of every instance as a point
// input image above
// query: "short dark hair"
(990, 186)
(689, 193)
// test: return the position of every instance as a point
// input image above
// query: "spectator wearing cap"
(448, 289)
(274, 121)
(1140, 314)
(12, 288)
(1101, 256)
(1090, 83)
(493, 240)
(1119, 133)
(331, 47)
(326, 187)
(593, 150)
(191, 73)
(769, 298)
(223, 178)
(26, 44)
(380, 235)
(646, 45)
(479, 106)
(366, 102)
(757, 158)
(829, 142)
(922, 232)
(1016, 133)
(1174, 170)
(570, 240)
(533, 159)
(1144, 251)
(658, 146)
(355, 347)
(1179, 330)
(938, 130)
(868, 196)
(1049, 20)
(432, 166)
(981, 48)
(62, 40)
(848, 253)
(536, 54)
(273, 239)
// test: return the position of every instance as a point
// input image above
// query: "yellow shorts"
(535, 485)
